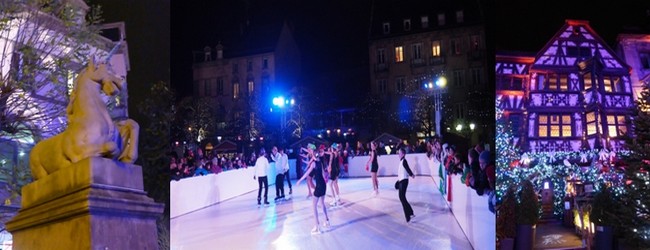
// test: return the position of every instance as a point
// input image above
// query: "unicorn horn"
(110, 54)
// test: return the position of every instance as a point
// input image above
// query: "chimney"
(219, 51)
(208, 53)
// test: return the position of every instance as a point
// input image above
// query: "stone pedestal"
(97, 203)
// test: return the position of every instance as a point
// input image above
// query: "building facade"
(635, 50)
(242, 77)
(411, 52)
(574, 94)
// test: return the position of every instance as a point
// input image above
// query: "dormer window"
(386, 28)
(425, 21)
(441, 19)
(459, 16)
(407, 24)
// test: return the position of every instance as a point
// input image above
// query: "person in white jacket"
(261, 170)
(403, 173)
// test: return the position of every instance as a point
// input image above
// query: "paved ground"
(553, 235)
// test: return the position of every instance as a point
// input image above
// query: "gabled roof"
(575, 42)
(387, 138)
(305, 140)
(225, 146)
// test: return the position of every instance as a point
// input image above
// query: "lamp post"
(281, 103)
(437, 90)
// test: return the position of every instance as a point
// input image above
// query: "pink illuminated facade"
(574, 94)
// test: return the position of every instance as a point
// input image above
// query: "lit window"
(459, 16)
(564, 85)
(435, 48)
(608, 84)
(251, 86)
(616, 125)
(235, 90)
(425, 21)
(399, 54)
(591, 123)
(386, 28)
(552, 82)
(441, 19)
(554, 126)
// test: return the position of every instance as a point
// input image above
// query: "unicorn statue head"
(91, 132)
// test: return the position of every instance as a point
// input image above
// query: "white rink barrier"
(470, 210)
(194, 193)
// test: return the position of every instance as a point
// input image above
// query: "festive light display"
(555, 167)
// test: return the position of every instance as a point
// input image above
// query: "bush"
(506, 227)
(601, 208)
(527, 211)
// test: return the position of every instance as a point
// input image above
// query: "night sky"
(529, 25)
(147, 34)
(331, 36)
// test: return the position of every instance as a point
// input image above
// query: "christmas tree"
(635, 210)
(506, 152)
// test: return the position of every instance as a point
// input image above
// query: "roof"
(225, 146)
(308, 139)
(395, 12)
(259, 33)
(387, 138)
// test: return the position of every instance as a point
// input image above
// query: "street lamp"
(472, 126)
(437, 90)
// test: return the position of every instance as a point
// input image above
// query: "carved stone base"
(94, 204)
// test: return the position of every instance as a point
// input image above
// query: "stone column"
(96, 203)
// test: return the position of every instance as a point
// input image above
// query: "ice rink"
(361, 222)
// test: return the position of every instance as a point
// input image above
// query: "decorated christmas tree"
(635, 214)
(506, 153)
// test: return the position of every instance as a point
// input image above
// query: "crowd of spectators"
(477, 169)
(195, 163)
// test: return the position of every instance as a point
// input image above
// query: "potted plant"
(506, 227)
(603, 218)
(527, 214)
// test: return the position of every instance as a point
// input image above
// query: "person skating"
(403, 181)
(316, 167)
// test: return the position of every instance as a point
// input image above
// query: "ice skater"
(316, 166)
(305, 160)
(334, 168)
(403, 181)
(281, 166)
(261, 170)
(374, 167)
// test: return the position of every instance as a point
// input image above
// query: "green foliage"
(506, 226)
(634, 205)
(158, 109)
(603, 208)
(528, 207)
